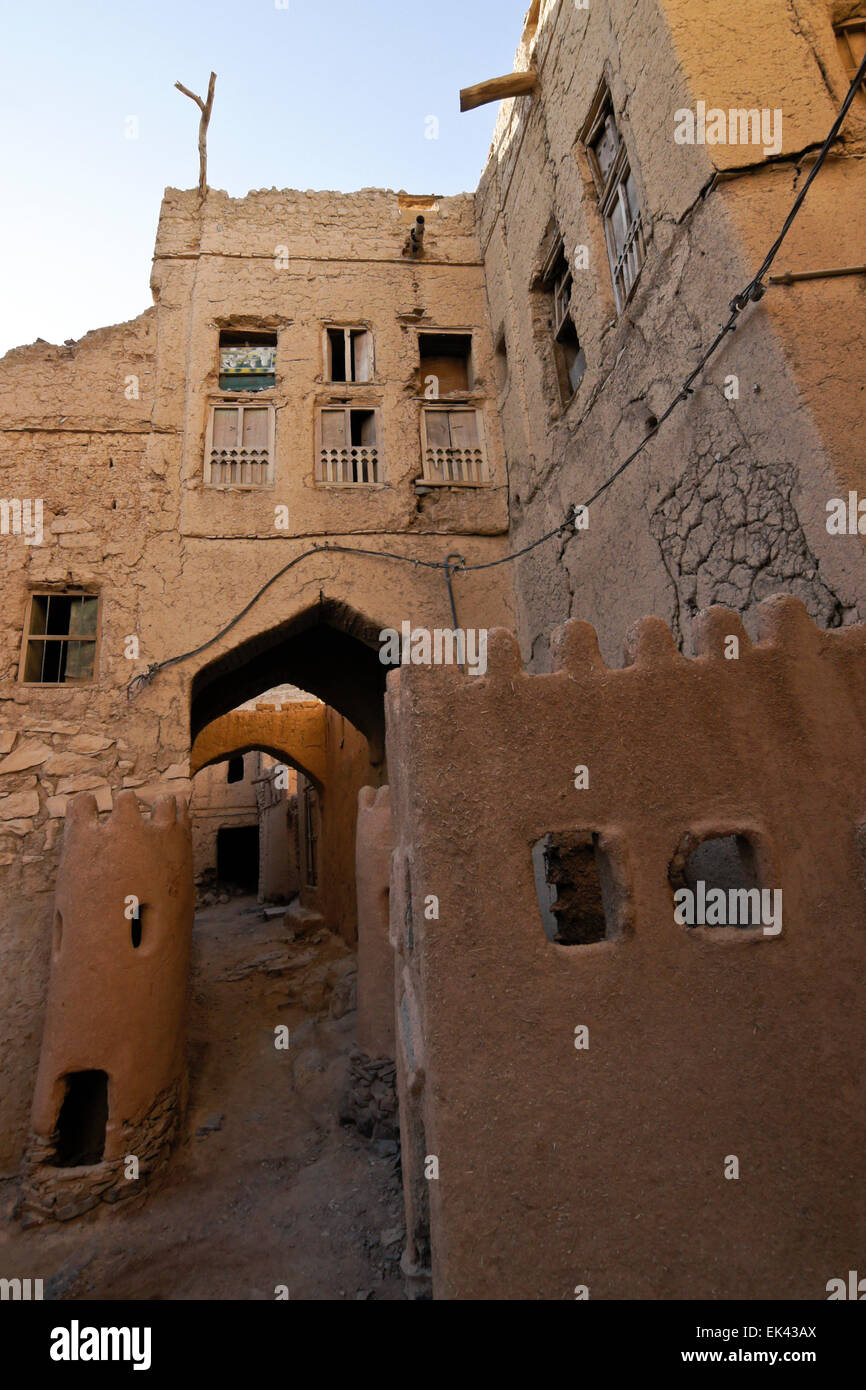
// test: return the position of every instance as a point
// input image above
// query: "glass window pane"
(631, 196)
(619, 223)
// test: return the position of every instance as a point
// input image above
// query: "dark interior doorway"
(83, 1117)
(238, 856)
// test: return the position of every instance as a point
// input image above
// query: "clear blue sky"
(321, 94)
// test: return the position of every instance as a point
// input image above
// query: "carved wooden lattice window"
(348, 446)
(453, 446)
(240, 446)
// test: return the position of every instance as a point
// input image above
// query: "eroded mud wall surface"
(584, 1102)
(728, 503)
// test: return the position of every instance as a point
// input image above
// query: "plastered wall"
(109, 433)
(602, 1167)
(728, 503)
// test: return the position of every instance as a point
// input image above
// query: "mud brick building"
(405, 381)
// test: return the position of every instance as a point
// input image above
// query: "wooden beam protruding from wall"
(516, 84)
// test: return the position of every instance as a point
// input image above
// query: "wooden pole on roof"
(205, 107)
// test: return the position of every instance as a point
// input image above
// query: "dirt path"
(267, 1188)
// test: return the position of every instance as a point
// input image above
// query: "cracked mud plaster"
(729, 533)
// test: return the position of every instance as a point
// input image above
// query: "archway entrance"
(330, 731)
(330, 651)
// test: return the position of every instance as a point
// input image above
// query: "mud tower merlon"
(110, 1088)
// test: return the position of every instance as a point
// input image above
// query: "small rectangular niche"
(575, 886)
(248, 361)
(446, 364)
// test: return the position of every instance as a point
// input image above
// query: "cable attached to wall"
(455, 564)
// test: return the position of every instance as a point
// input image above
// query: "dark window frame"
(31, 639)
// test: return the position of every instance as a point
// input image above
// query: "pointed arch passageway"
(329, 650)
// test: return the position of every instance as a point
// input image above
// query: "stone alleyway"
(267, 1187)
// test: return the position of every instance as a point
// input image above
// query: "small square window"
(446, 364)
(60, 642)
(348, 354)
(248, 361)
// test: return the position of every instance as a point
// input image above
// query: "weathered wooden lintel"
(515, 84)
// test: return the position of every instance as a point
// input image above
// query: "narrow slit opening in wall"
(726, 862)
(574, 884)
(235, 770)
(500, 360)
(58, 932)
(82, 1121)
(136, 927)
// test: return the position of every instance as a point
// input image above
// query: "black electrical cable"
(752, 292)
(145, 677)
